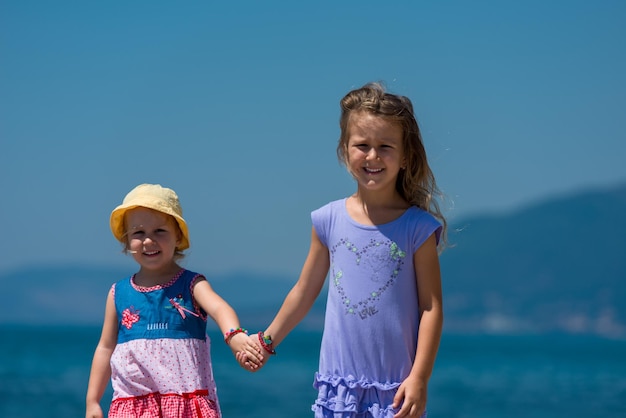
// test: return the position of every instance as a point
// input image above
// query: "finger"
(397, 399)
(409, 409)
(252, 347)
(253, 353)
(253, 367)
(254, 356)
(241, 357)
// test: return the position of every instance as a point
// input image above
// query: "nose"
(371, 154)
(147, 240)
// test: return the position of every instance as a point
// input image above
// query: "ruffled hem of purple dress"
(343, 398)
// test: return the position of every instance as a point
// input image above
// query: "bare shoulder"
(201, 284)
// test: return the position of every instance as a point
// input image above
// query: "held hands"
(265, 350)
(412, 396)
(241, 344)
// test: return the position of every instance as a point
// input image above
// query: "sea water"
(44, 373)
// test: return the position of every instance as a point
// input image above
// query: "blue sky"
(235, 106)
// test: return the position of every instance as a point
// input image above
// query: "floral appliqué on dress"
(177, 303)
(129, 317)
(380, 261)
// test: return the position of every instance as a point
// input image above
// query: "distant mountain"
(71, 294)
(66, 294)
(556, 266)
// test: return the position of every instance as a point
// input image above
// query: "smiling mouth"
(373, 171)
(151, 252)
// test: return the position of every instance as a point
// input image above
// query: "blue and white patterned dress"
(161, 365)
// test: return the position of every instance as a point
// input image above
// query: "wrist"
(233, 332)
(266, 343)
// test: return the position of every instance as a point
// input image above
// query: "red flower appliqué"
(129, 317)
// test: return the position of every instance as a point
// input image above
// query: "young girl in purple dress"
(379, 248)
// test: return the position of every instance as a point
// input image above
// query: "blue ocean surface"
(44, 373)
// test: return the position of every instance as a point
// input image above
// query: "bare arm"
(100, 366)
(226, 319)
(412, 393)
(303, 294)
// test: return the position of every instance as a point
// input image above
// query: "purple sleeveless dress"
(372, 314)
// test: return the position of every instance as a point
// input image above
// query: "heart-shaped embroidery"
(378, 265)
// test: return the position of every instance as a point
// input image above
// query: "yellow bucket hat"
(151, 196)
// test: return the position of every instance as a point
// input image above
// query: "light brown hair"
(416, 183)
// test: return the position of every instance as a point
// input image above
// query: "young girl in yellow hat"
(154, 346)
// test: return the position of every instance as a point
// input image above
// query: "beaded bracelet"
(266, 343)
(232, 332)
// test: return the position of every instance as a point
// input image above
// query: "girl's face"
(152, 237)
(375, 152)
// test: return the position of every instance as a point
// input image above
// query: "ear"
(179, 232)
